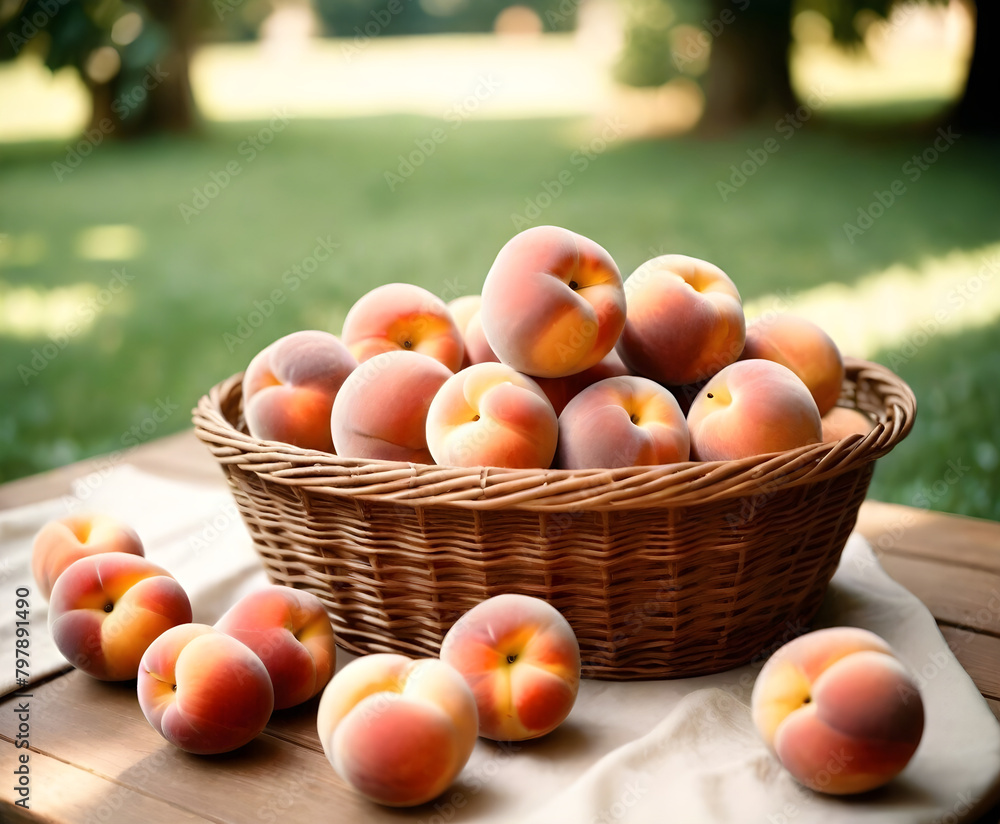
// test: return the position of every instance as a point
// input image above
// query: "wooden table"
(101, 761)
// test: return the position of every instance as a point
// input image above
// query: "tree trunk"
(978, 111)
(748, 71)
(156, 97)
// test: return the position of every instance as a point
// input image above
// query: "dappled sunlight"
(920, 53)
(900, 309)
(113, 242)
(36, 104)
(61, 313)
(26, 249)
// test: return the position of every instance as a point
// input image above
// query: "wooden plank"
(99, 727)
(894, 529)
(956, 595)
(180, 457)
(61, 792)
(979, 656)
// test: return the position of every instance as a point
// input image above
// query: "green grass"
(174, 331)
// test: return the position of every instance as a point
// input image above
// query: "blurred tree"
(740, 49)
(373, 18)
(132, 56)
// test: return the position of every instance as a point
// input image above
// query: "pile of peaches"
(558, 363)
(836, 706)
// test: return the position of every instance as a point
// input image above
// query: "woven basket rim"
(870, 387)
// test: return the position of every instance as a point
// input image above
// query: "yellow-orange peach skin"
(289, 388)
(381, 411)
(685, 320)
(752, 407)
(805, 348)
(491, 415)
(291, 633)
(397, 730)
(403, 316)
(522, 660)
(553, 302)
(204, 691)
(560, 391)
(839, 710)
(627, 421)
(61, 542)
(106, 609)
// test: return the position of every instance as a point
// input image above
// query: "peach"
(291, 633)
(553, 302)
(477, 348)
(203, 690)
(627, 421)
(842, 422)
(397, 730)
(804, 348)
(289, 387)
(106, 609)
(491, 415)
(61, 542)
(522, 660)
(752, 407)
(403, 316)
(685, 320)
(839, 710)
(463, 308)
(560, 391)
(381, 411)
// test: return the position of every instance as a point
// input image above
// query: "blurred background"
(184, 181)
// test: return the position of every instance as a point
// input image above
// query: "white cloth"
(674, 751)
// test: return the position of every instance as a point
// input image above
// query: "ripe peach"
(553, 302)
(839, 710)
(522, 661)
(490, 415)
(398, 730)
(804, 348)
(106, 609)
(381, 411)
(203, 690)
(291, 634)
(841, 421)
(399, 316)
(560, 391)
(477, 348)
(752, 407)
(685, 320)
(61, 542)
(463, 308)
(628, 421)
(289, 387)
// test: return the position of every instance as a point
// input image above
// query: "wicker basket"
(665, 571)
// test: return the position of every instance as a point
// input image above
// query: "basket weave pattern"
(667, 571)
